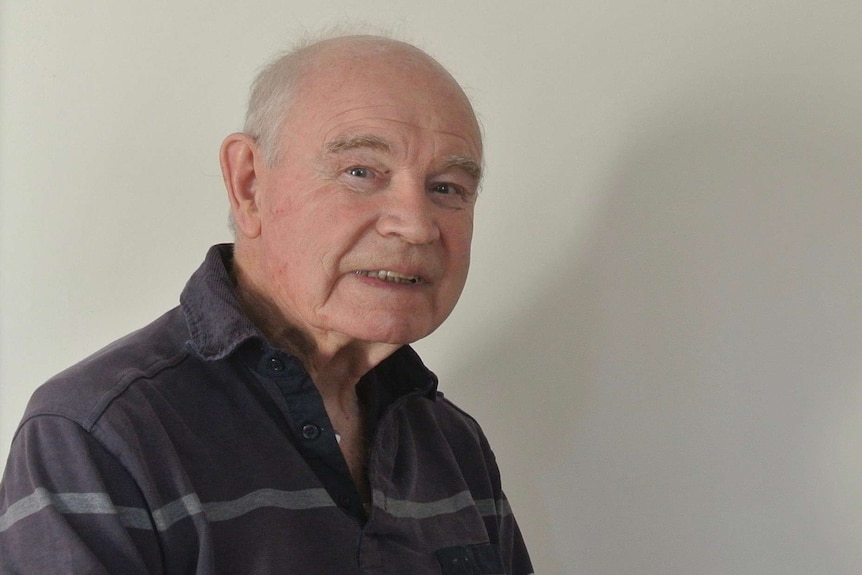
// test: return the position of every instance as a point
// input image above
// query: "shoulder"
(452, 414)
(442, 418)
(83, 391)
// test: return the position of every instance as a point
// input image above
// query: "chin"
(394, 332)
(396, 337)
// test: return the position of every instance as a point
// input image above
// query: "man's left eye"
(445, 189)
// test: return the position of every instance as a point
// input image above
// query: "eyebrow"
(355, 142)
(370, 141)
(473, 169)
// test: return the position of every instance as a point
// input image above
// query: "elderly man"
(276, 421)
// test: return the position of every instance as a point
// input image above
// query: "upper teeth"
(389, 276)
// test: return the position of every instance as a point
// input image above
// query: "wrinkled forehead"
(351, 73)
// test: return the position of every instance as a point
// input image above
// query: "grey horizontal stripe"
(404, 509)
(174, 511)
(96, 503)
(134, 518)
(190, 505)
(292, 500)
(499, 507)
(166, 516)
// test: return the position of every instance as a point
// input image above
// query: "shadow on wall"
(687, 397)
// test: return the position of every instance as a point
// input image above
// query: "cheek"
(460, 238)
(459, 260)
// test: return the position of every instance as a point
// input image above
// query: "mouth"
(389, 276)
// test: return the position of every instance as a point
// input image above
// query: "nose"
(408, 213)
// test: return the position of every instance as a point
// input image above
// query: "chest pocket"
(482, 559)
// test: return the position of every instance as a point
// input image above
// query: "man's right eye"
(359, 172)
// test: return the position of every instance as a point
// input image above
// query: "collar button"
(310, 431)
(276, 364)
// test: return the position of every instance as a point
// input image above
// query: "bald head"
(279, 85)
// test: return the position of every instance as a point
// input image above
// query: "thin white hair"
(273, 88)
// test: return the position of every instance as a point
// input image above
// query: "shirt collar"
(216, 322)
(218, 327)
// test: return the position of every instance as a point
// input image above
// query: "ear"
(239, 167)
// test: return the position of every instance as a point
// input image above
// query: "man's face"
(367, 216)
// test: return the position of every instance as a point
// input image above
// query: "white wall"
(662, 330)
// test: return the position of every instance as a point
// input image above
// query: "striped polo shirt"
(193, 447)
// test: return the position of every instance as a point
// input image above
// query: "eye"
(446, 189)
(360, 172)
(452, 195)
(361, 178)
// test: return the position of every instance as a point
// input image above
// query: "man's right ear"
(239, 169)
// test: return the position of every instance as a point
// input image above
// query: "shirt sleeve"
(516, 559)
(68, 506)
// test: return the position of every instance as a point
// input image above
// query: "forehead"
(349, 89)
